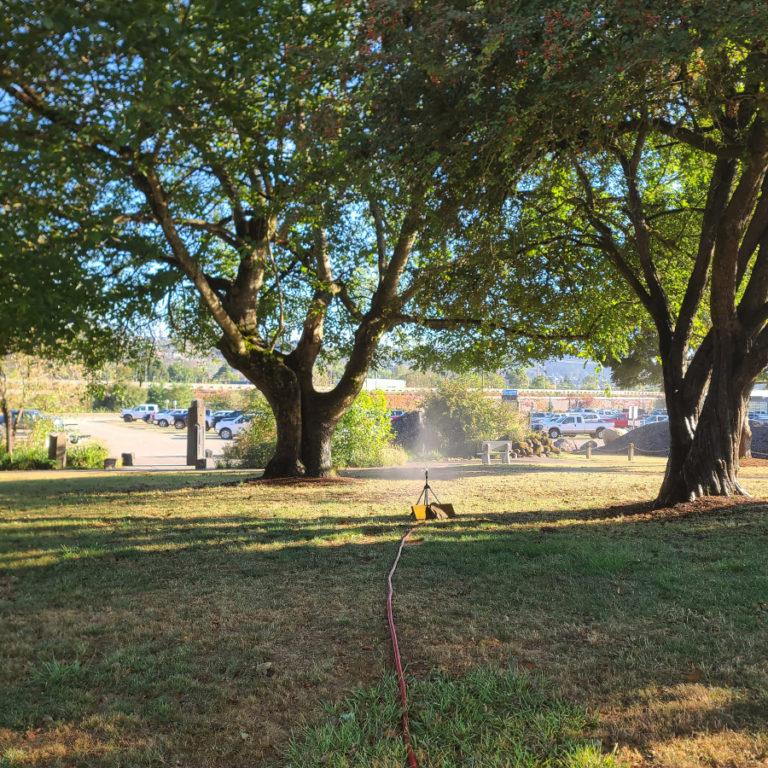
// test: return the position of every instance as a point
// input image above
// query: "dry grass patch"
(183, 619)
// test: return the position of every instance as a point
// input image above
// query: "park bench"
(499, 448)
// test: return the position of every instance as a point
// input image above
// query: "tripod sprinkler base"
(432, 511)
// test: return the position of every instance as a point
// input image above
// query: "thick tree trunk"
(10, 432)
(683, 417)
(305, 419)
(287, 460)
(710, 464)
(317, 437)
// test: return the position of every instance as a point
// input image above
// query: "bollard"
(195, 432)
(589, 451)
(57, 449)
(630, 451)
(505, 455)
(486, 454)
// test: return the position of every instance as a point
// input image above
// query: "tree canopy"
(627, 141)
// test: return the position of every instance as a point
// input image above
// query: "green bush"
(362, 437)
(88, 455)
(364, 434)
(462, 417)
(27, 457)
(112, 397)
(255, 446)
(37, 437)
(157, 393)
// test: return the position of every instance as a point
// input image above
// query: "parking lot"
(154, 447)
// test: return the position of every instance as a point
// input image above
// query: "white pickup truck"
(143, 411)
(577, 424)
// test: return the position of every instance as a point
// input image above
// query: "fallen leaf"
(244, 736)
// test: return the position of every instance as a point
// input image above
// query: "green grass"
(193, 619)
(489, 718)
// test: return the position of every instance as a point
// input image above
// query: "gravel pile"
(653, 440)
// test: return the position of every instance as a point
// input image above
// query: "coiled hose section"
(412, 762)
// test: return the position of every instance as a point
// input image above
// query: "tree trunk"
(10, 432)
(710, 464)
(287, 459)
(317, 437)
(305, 419)
(683, 416)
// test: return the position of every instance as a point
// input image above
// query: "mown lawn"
(201, 619)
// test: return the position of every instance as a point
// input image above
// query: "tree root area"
(313, 481)
(704, 506)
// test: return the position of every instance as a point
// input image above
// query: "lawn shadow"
(206, 626)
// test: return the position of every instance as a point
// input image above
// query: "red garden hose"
(412, 763)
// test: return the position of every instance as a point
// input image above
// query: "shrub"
(27, 457)
(113, 397)
(255, 446)
(364, 434)
(88, 455)
(462, 417)
(362, 437)
(157, 393)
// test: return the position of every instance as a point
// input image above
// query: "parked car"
(541, 423)
(654, 419)
(218, 416)
(29, 416)
(758, 416)
(167, 417)
(227, 429)
(180, 420)
(578, 424)
(143, 411)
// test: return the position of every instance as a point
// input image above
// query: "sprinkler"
(430, 510)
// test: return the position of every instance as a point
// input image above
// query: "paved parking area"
(154, 447)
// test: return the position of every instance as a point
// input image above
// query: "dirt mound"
(650, 440)
(759, 440)
(653, 440)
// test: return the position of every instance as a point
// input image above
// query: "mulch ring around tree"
(303, 481)
(708, 506)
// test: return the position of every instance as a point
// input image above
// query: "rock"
(566, 445)
(589, 443)
(609, 435)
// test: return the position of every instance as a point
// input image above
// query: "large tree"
(223, 162)
(196, 148)
(632, 135)
(51, 306)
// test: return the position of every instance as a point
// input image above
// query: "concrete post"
(589, 451)
(57, 449)
(196, 432)
(630, 451)
(505, 455)
(486, 454)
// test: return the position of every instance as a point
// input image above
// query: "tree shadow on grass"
(172, 619)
